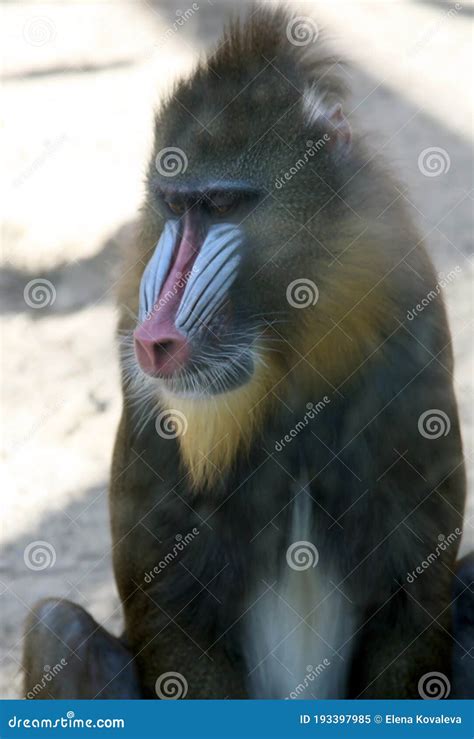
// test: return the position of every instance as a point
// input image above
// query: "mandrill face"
(194, 334)
(229, 237)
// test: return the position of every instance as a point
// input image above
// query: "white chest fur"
(298, 626)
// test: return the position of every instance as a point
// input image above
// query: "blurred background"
(80, 80)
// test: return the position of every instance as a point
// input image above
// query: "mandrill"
(289, 450)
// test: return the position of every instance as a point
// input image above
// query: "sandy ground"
(81, 80)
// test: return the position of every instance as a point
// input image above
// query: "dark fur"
(377, 516)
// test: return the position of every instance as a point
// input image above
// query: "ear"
(318, 111)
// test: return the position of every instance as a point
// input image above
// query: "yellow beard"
(218, 426)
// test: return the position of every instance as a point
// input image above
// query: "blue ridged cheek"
(213, 273)
(154, 276)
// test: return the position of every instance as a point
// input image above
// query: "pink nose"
(163, 352)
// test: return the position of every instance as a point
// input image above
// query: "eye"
(222, 209)
(220, 204)
(176, 207)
